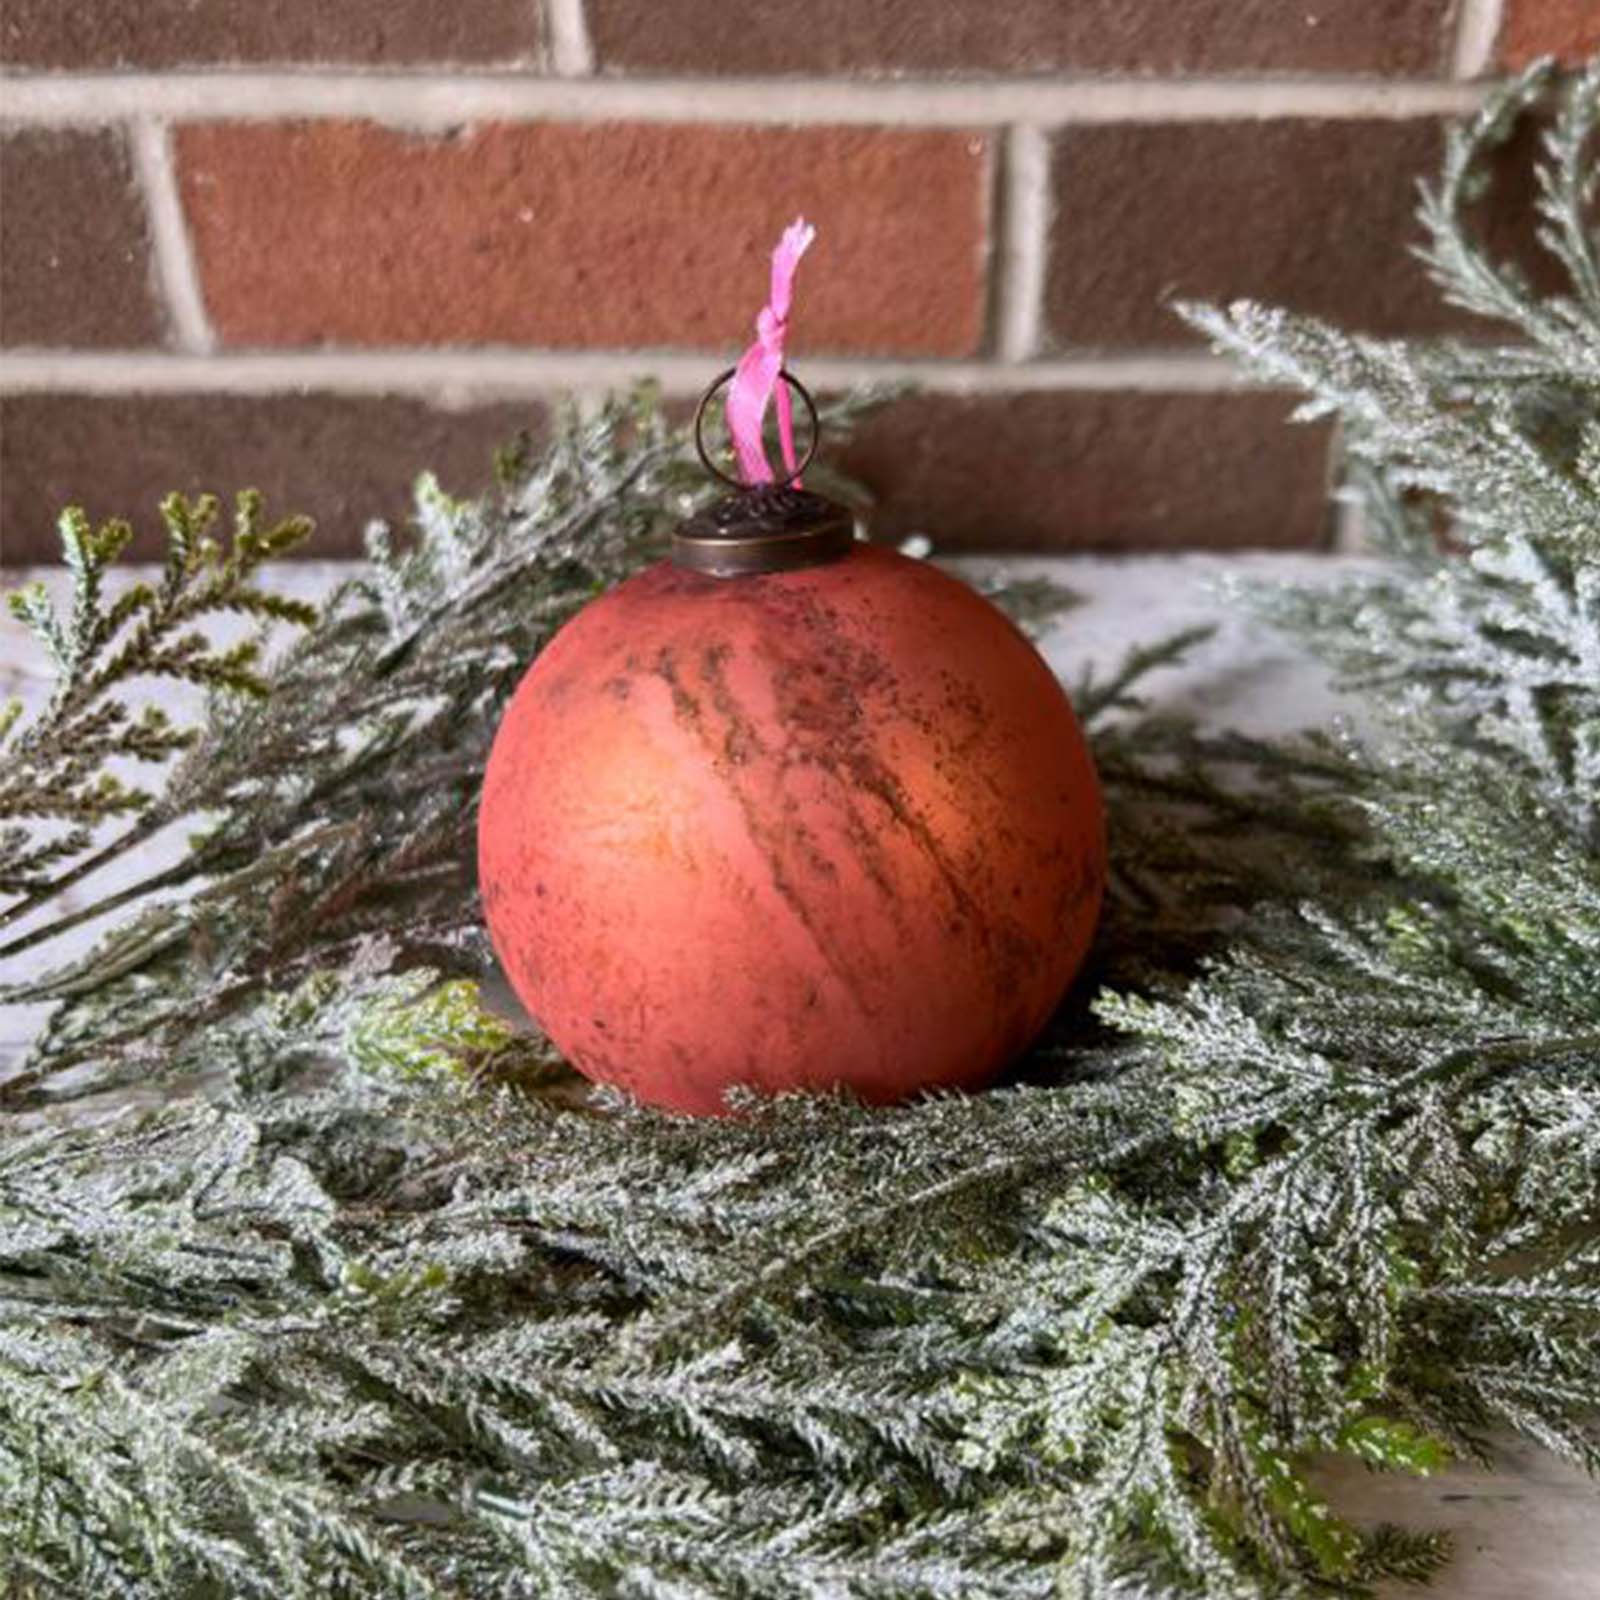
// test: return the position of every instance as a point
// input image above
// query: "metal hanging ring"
(778, 483)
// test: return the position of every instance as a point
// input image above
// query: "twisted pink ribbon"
(756, 377)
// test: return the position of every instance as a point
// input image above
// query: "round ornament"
(788, 811)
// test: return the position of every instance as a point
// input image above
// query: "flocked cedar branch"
(57, 771)
(377, 1304)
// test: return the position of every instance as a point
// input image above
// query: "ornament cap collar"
(763, 528)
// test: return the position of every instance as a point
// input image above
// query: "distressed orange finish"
(835, 826)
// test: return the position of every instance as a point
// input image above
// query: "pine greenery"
(374, 1302)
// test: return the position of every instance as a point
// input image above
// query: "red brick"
(1566, 29)
(74, 251)
(1094, 471)
(342, 459)
(1314, 215)
(574, 235)
(1019, 36)
(174, 33)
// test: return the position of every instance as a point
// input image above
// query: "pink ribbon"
(756, 377)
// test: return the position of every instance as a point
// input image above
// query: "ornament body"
(832, 826)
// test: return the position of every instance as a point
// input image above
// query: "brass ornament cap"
(762, 527)
(765, 528)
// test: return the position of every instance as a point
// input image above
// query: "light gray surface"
(1528, 1531)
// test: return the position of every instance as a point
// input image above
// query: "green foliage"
(374, 1301)
(56, 766)
(428, 1027)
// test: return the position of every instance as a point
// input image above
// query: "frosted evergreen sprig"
(57, 766)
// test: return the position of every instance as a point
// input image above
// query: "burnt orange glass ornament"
(789, 811)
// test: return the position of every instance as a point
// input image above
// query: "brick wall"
(315, 247)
